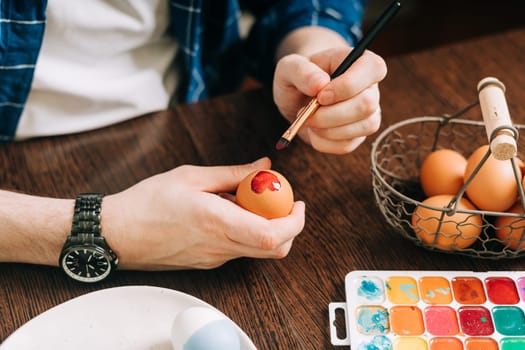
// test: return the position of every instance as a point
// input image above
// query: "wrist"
(34, 228)
(112, 225)
(309, 40)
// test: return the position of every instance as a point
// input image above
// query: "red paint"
(265, 180)
(468, 290)
(281, 144)
(502, 290)
(475, 321)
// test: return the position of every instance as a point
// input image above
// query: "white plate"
(127, 318)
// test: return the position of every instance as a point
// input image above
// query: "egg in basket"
(452, 184)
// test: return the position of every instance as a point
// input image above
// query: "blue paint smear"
(373, 320)
(444, 291)
(379, 342)
(406, 288)
(430, 294)
(369, 290)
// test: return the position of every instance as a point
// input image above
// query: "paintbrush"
(356, 52)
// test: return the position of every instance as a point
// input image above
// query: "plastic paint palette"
(432, 310)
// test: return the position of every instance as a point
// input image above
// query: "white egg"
(203, 328)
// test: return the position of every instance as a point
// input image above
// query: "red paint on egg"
(264, 180)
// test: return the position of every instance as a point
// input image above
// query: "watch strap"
(85, 256)
(86, 216)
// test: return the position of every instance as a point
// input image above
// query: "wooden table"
(280, 304)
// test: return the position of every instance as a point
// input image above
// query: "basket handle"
(496, 117)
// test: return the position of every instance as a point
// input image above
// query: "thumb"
(217, 179)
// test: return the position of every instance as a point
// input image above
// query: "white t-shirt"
(101, 62)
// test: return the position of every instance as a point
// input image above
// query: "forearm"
(309, 40)
(33, 228)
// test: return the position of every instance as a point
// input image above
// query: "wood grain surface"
(280, 304)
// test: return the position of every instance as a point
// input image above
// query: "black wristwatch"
(86, 257)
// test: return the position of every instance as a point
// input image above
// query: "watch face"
(86, 264)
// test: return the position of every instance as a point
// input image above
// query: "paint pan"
(432, 310)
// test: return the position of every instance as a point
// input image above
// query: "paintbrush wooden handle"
(497, 118)
(305, 113)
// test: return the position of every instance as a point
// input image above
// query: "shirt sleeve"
(275, 21)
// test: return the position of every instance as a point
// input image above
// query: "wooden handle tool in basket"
(497, 118)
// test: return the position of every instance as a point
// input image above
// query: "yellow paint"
(410, 343)
(402, 290)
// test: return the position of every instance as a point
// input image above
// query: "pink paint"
(521, 287)
(441, 320)
(475, 321)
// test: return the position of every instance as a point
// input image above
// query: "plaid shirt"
(212, 55)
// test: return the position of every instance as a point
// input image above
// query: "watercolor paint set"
(431, 310)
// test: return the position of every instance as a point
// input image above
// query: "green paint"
(509, 320)
(512, 344)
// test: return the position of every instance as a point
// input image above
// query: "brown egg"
(457, 231)
(509, 229)
(266, 193)
(494, 187)
(520, 164)
(442, 172)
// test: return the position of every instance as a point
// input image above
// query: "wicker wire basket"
(396, 157)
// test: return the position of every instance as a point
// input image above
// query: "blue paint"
(432, 293)
(406, 288)
(369, 289)
(373, 320)
(444, 291)
(379, 342)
